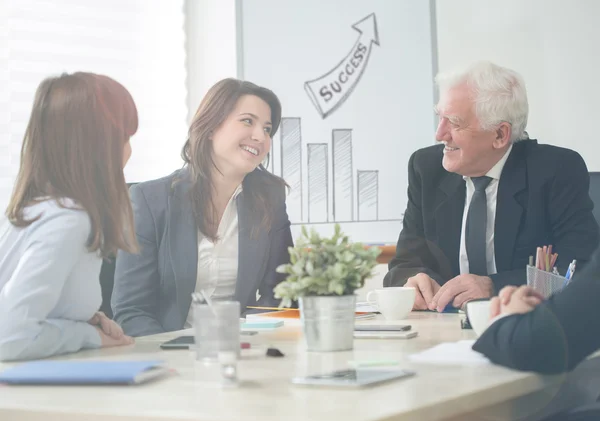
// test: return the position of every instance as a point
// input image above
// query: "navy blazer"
(542, 199)
(557, 335)
(152, 291)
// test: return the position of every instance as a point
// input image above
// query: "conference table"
(436, 392)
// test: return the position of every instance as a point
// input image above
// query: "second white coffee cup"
(394, 303)
(478, 312)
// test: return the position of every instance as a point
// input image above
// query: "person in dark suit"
(481, 201)
(219, 225)
(546, 336)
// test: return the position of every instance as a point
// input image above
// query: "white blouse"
(218, 261)
(49, 285)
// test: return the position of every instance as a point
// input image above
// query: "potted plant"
(323, 275)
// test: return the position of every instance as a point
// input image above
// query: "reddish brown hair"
(73, 148)
(197, 153)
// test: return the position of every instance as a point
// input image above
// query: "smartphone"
(384, 335)
(185, 342)
(181, 342)
(352, 378)
(382, 328)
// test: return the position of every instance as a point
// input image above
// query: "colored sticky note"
(259, 324)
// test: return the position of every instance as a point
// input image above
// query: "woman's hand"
(109, 341)
(107, 326)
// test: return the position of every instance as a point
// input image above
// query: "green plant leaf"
(321, 265)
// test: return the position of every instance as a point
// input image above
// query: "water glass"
(216, 329)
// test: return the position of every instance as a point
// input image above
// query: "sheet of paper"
(451, 353)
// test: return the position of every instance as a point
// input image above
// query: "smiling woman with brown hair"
(218, 225)
(69, 208)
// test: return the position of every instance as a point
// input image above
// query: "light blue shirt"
(49, 284)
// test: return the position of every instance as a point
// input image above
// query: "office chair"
(595, 194)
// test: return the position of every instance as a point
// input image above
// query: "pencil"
(272, 308)
(554, 257)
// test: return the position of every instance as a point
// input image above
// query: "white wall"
(211, 46)
(554, 44)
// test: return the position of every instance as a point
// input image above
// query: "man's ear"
(503, 133)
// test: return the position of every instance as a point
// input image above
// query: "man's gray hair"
(499, 95)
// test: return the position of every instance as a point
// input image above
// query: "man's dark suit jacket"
(152, 291)
(542, 199)
(554, 337)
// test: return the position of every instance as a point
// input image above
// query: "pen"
(372, 363)
(569, 274)
(571, 270)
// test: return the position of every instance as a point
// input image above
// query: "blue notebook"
(83, 372)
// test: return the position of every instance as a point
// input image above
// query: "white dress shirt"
(491, 193)
(218, 261)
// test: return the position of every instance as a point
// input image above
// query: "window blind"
(140, 43)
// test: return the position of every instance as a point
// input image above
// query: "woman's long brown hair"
(197, 153)
(73, 148)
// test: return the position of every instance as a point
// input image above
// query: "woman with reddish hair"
(69, 209)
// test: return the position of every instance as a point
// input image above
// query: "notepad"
(294, 313)
(83, 372)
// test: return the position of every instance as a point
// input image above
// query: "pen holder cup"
(546, 283)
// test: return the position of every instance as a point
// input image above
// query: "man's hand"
(425, 289)
(515, 300)
(461, 289)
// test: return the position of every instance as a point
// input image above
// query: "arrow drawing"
(332, 89)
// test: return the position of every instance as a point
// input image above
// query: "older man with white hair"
(482, 200)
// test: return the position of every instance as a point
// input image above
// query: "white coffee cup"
(478, 313)
(394, 303)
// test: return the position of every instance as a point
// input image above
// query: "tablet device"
(382, 328)
(352, 378)
(384, 335)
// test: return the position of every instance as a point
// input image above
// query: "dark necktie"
(475, 230)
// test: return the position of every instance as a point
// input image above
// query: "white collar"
(496, 170)
(237, 191)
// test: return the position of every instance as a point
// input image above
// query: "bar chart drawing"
(291, 165)
(368, 193)
(318, 194)
(333, 190)
(341, 151)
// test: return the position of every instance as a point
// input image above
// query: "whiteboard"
(355, 80)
